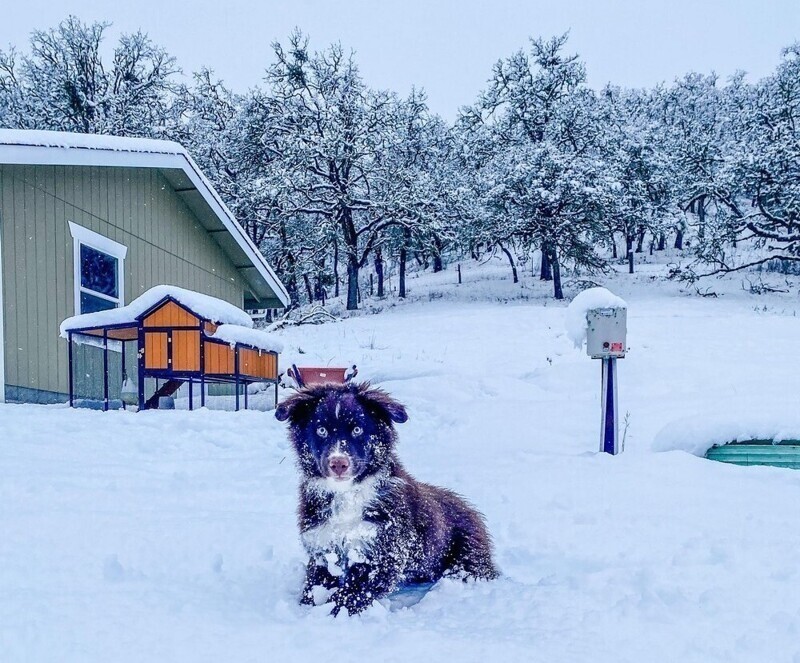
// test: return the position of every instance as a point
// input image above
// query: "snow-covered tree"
(64, 84)
(535, 143)
(422, 186)
(637, 179)
(761, 199)
(229, 135)
(326, 129)
(694, 124)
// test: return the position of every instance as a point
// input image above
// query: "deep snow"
(170, 536)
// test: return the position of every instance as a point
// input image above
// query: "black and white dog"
(369, 527)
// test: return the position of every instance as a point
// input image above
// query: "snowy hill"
(171, 536)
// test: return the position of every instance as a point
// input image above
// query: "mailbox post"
(606, 331)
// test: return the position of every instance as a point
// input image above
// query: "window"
(99, 282)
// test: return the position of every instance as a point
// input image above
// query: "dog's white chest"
(345, 531)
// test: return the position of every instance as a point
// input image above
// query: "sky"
(445, 47)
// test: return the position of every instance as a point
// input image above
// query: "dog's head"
(342, 433)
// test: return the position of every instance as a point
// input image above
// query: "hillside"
(171, 536)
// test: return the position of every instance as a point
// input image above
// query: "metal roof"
(54, 148)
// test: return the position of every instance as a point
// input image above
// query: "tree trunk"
(402, 276)
(335, 267)
(438, 266)
(511, 261)
(352, 283)
(546, 273)
(662, 242)
(291, 282)
(558, 293)
(679, 239)
(350, 239)
(613, 247)
(403, 261)
(640, 240)
(321, 294)
(629, 252)
(319, 287)
(309, 289)
(291, 288)
(701, 217)
(379, 270)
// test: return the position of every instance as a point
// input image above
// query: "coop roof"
(56, 148)
(210, 308)
(233, 334)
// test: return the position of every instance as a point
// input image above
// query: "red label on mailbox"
(617, 347)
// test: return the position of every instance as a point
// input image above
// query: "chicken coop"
(168, 338)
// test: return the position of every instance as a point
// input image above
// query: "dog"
(368, 526)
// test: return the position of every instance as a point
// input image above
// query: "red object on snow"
(307, 376)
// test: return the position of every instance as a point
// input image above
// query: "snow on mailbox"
(600, 318)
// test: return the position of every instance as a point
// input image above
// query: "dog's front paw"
(316, 595)
(354, 603)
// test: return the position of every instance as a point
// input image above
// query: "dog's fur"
(372, 528)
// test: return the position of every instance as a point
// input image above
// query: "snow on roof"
(24, 146)
(257, 338)
(65, 139)
(584, 302)
(211, 308)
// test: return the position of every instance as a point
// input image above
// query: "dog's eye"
(322, 431)
(357, 431)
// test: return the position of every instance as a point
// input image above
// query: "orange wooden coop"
(180, 338)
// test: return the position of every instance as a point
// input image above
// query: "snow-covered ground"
(171, 536)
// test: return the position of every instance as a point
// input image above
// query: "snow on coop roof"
(56, 148)
(234, 334)
(211, 308)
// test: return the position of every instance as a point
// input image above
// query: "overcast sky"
(446, 47)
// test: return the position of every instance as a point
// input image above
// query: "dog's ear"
(297, 408)
(382, 405)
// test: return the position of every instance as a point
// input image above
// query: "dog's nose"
(339, 465)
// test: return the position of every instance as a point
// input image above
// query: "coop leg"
(71, 372)
(105, 370)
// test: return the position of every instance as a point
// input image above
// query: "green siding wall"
(133, 206)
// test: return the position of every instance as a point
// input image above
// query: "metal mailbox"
(606, 332)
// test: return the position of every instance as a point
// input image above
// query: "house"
(88, 223)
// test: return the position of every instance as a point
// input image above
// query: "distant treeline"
(330, 177)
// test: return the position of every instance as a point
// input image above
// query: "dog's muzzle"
(339, 466)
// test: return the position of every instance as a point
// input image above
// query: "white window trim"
(90, 238)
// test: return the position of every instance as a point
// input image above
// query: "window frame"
(84, 237)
